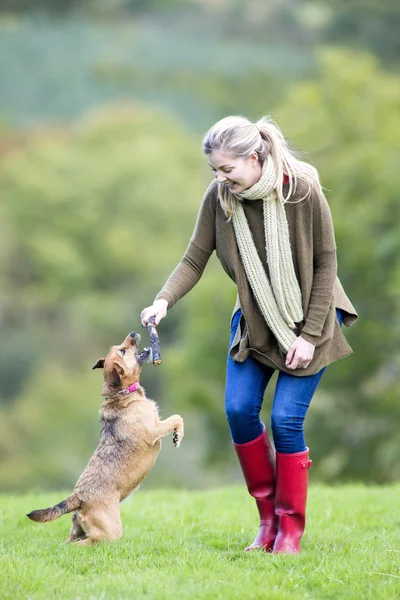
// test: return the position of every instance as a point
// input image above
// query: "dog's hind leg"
(76, 533)
(173, 425)
(102, 525)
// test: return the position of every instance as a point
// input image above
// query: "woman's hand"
(300, 354)
(158, 310)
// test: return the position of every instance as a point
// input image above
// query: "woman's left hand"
(300, 354)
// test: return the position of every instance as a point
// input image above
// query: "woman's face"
(237, 174)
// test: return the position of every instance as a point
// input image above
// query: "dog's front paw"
(177, 435)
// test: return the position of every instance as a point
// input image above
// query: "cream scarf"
(281, 304)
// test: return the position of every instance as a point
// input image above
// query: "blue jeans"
(245, 386)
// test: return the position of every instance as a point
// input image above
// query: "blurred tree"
(92, 220)
(368, 24)
(53, 6)
(81, 243)
(104, 6)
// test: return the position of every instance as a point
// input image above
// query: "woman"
(271, 226)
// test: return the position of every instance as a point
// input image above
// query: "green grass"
(189, 544)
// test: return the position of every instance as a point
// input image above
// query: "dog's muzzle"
(136, 337)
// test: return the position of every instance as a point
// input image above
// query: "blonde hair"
(240, 137)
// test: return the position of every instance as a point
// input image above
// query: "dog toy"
(155, 341)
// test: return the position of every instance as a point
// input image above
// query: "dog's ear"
(116, 374)
(115, 379)
(99, 364)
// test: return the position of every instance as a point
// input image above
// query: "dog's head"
(123, 363)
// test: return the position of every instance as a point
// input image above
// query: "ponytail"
(286, 162)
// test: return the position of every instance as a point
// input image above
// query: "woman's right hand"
(158, 310)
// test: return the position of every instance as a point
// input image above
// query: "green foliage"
(39, 415)
(94, 219)
(169, 64)
(84, 220)
(347, 120)
(62, 7)
(53, 6)
(189, 545)
(97, 215)
(364, 23)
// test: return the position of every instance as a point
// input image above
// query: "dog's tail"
(50, 514)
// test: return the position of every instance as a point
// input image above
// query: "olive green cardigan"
(314, 257)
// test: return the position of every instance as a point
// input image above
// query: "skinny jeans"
(246, 383)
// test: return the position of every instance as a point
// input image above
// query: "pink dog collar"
(130, 389)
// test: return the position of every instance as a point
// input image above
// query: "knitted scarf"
(281, 304)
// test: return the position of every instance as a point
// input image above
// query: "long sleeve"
(201, 246)
(325, 269)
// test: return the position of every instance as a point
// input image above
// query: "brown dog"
(130, 441)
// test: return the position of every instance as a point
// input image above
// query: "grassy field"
(189, 544)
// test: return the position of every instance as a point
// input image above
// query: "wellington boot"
(291, 499)
(257, 461)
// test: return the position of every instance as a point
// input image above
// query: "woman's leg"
(245, 387)
(291, 401)
(244, 392)
(292, 398)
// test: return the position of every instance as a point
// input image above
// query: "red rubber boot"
(291, 499)
(257, 461)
